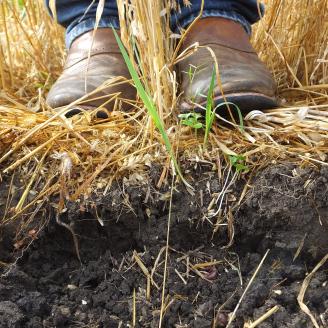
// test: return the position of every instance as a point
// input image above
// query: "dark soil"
(284, 211)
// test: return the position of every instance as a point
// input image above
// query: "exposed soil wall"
(285, 211)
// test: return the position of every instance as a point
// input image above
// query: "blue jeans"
(73, 14)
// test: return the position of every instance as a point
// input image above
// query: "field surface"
(132, 221)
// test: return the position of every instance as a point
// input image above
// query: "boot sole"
(246, 102)
(74, 111)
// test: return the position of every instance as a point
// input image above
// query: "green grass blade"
(136, 54)
(209, 118)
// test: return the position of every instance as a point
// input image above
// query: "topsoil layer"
(284, 211)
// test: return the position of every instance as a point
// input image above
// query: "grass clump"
(150, 106)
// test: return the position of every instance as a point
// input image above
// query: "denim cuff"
(74, 30)
(219, 13)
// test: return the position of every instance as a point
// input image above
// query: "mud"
(284, 212)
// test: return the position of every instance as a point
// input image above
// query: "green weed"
(239, 163)
(192, 120)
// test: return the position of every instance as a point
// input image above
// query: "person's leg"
(225, 26)
(82, 76)
(245, 12)
(78, 17)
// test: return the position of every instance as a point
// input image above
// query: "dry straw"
(72, 158)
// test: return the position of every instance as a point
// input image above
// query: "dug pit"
(122, 239)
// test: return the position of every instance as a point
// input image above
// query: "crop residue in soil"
(284, 211)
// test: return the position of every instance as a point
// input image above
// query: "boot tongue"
(103, 42)
(219, 31)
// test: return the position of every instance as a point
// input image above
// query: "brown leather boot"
(106, 62)
(246, 81)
